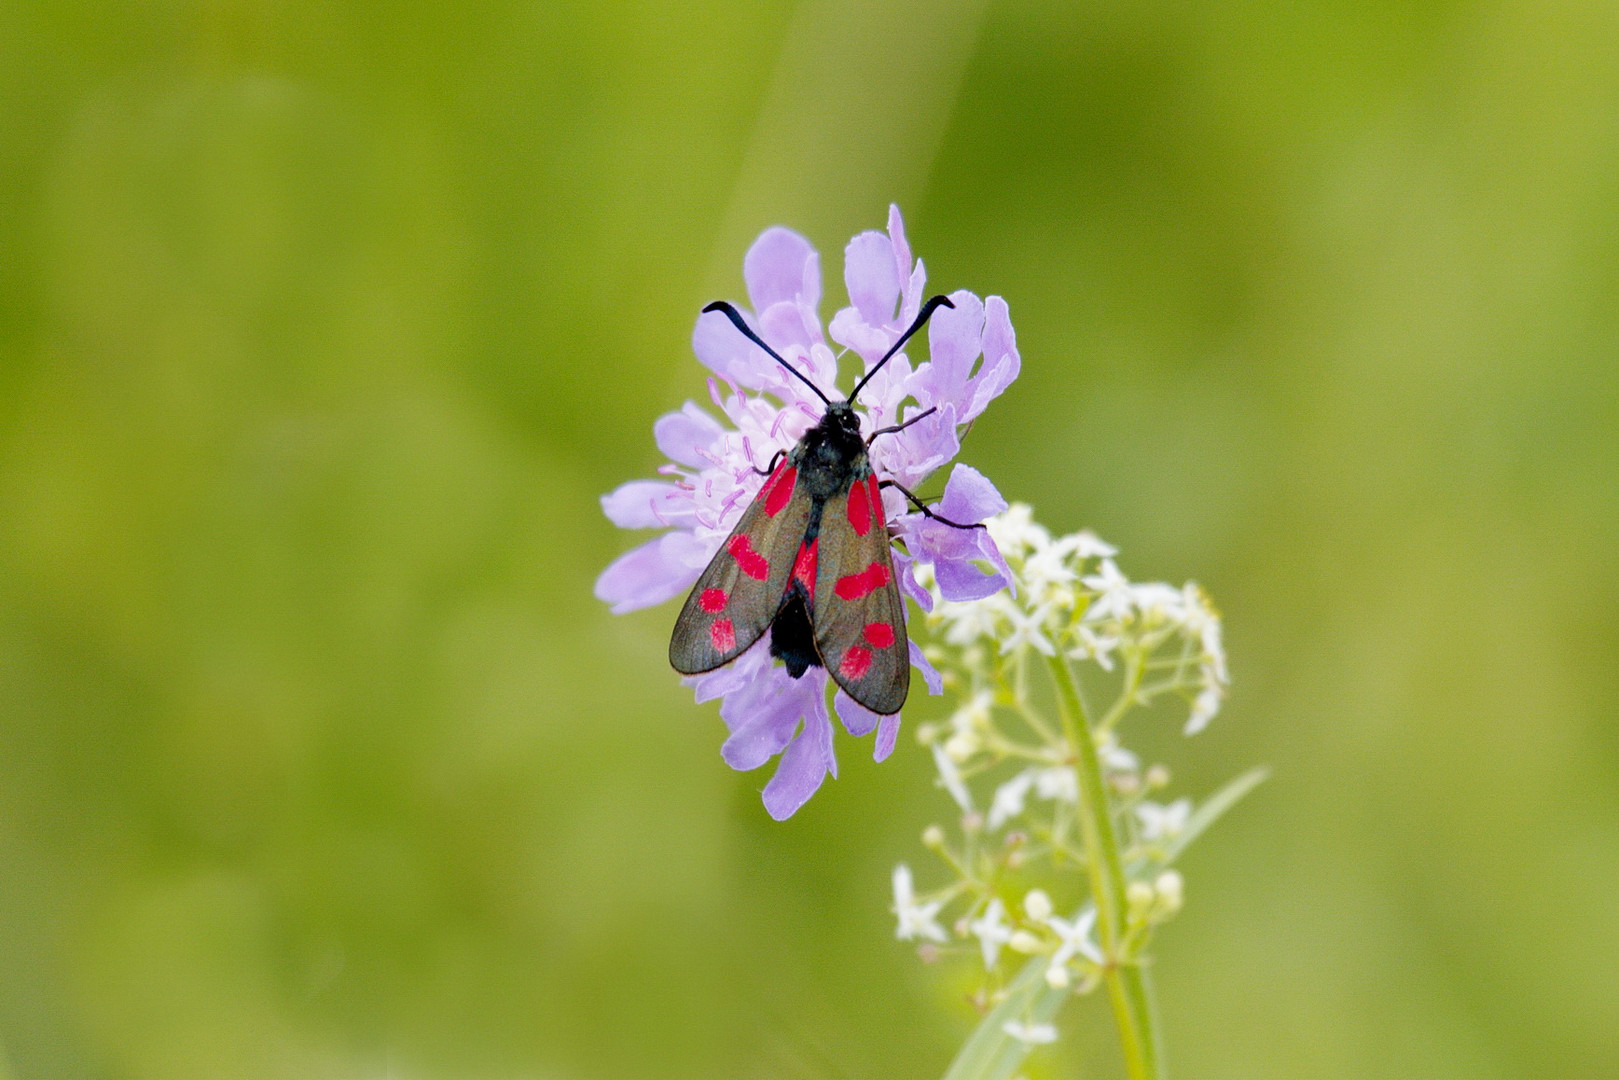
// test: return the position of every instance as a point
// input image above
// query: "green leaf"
(989, 1052)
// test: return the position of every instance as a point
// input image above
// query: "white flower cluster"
(1073, 598)
(1018, 776)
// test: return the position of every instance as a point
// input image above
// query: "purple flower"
(712, 473)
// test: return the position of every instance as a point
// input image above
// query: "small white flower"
(1030, 1034)
(1116, 759)
(1114, 599)
(915, 920)
(968, 621)
(1094, 646)
(1048, 571)
(992, 931)
(1087, 545)
(1057, 782)
(1009, 798)
(1159, 602)
(1163, 822)
(1028, 629)
(1075, 938)
(1014, 531)
(975, 713)
(950, 777)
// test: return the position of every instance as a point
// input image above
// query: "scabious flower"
(713, 474)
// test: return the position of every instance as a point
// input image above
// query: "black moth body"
(810, 561)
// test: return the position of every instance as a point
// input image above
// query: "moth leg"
(923, 507)
(900, 427)
(775, 459)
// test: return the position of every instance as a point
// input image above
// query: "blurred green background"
(322, 328)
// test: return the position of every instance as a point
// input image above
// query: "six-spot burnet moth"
(810, 560)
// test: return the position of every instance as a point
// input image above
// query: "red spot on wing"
(804, 566)
(856, 662)
(712, 600)
(860, 509)
(753, 564)
(723, 635)
(779, 491)
(880, 634)
(877, 502)
(869, 580)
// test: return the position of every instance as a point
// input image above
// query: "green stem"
(1126, 982)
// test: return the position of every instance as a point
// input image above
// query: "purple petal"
(872, 279)
(803, 767)
(913, 294)
(1001, 362)
(784, 327)
(915, 278)
(725, 352)
(809, 290)
(898, 244)
(910, 586)
(761, 736)
(962, 579)
(969, 497)
(851, 330)
(775, 268)
(911, 455)
(930, 674)
(685, 436)
(648, 504)
(887, 736)
(716, 683)
(955, 338)
(653, 572)
(857, 719)
(955, 554)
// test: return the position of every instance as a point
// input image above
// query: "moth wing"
(858, 615)
(738, 595)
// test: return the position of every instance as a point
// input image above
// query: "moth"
(809, 560)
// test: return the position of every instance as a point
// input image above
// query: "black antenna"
(736, 317)
(934, 303)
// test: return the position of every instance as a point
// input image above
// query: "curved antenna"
(934, 302)
(736, 317)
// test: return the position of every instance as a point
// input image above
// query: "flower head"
(714, 471)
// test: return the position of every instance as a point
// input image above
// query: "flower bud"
(926, 733)
(1140, 897)
(1170, 887)
(961, 746)
(1057, 976)
(1024, 942)
(1038, 905)
(1125, 783)
(933, 838)
(1157, 777)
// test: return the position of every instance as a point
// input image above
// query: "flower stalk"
(1126, 981)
